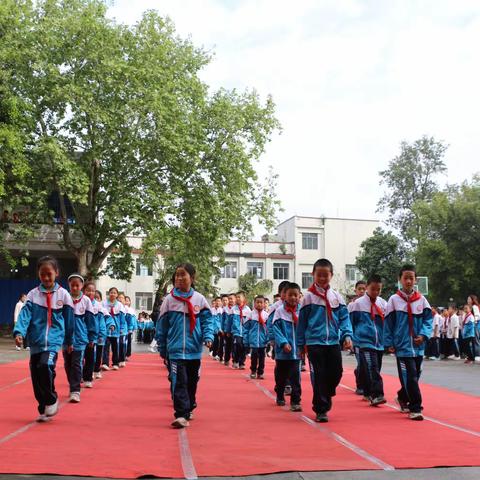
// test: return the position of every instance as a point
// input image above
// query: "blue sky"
(351, 79)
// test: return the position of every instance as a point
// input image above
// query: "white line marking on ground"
(188, 467)
(6, 387)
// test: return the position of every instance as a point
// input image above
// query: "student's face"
(218, 302)
(76, 286)
(360, 290)
(128, 302)
(267, 303)
(183, 280)
(292, 297)
(259, 304)
(408, 280)
(113, 295)
(240, 299)
(47, 275)
(232, 299)
(98, 298)
(466, 309)
(451, 311)
(374, 289)
(283, 295)
(276, 298)
(23, 298)
(90, 291)
(469, 301)
(225, 301)
(121, 298)
(322, 276)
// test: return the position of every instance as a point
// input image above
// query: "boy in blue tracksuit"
(228, 317)
(185, 324)
(408, 326)
(85, 334)
(217, 311)
(117, 313)
(323, 325)
(468, 333)
(244, 312)
(255, 337)
(287, 354)
(47, 319)
(271, 313)
(367, 315)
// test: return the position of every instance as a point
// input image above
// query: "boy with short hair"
(244, 312)
(255, 337)
(287, 354)
(323, 325)
(217, 311)
(229, 312)
(408, 324)
(452, 333)
(367, 315)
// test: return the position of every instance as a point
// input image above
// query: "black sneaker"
(321, 418)
(377, 401)
(359, 391)
(288, 390)
(253, 376)
(295, 407)
(280, 403)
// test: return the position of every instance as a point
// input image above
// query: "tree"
(382, 254)
(411, 177)
(449, 245)
(252, 287)
(128, 139)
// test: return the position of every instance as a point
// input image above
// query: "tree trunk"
(82, 261)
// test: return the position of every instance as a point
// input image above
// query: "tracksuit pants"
(228, 347)
(433, 349)
(129, 344)
(184, 375)
(98, 357)
(288, 370)
(469, 347)
(409, 371)
(122, 348)
(111, 342)
(89, 364)
(371, 365)
(239, 351)
(73, 368)
(257, 360)
(359, 372)
(325, 373)
(42, 371)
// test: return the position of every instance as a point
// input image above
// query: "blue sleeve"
(271, 335)
(23, 321)
(345, 324)
(69, 320)
(236, 325)
(109, 323)
(279, 334)
(161, 334)
(427, 320)
(91, 326)
(206, 323)
(246, 331)
(302, 325)
(389, 329)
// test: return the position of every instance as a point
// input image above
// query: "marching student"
(18, 307)
(255, 337)
(185, 324)
(47, 319)
(244, 312)
(287, 354)
(468, 330)
(367, 315)
(278, 302)
(217, 311)
(453, 327)
(122, 339)
(444, 342)
(228, 315)
(324, 325)
(85, 335)
(433, 343)
(117, 314)
(131, 320)
(472, 300)
(408, 324)
(104, 324)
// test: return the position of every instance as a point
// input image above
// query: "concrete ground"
(450, 374)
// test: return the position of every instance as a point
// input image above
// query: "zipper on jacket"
(294, 346)
(184, 333)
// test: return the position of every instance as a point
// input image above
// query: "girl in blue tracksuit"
(229, 315)
(122, 339)
(468, 333)
(184, 325)
(85, 334)
(131, 319)
(255, 337)
(117, 313)
(47, 319)
(287, 354)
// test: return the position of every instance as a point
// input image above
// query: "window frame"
(309, 238)
(256, 266)
(278, 267)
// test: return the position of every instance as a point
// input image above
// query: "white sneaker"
(88, 384)
(106, 368)
(180, 423)
(51, 410)
(451, 357)
(17, 348)
(235, 366)
(27, 349)
(74, 397)
(415, 416)
(477, 359)
(115, 367)
(43, 418)
(432, 358)
(98, 375)
(457, 358)
(122, 364)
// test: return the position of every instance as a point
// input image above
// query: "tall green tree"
(129, 139)
(411, 176)
(449, 247)
(382, 254)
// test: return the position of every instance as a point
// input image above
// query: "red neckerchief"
(49, 307)
(409, 299)
(77, 300)
(261, 321)
(112, 310)
(240, 308)
(466, 317)
(191, 310)
(293, 311)
(375, 309)
(324, 297)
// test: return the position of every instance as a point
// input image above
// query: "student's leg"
(359, 372)
(181, 400)
(106, 352)
(281, 375)
(364, 370)
(456, 350)
(215, 346)
(67, 363)
(376, 389)
(411, 370)
(470, 348)
(193, 376)
(42, 371)
(228, 347)
(261, 361)
(320, 376)
(98, 358)
(76, 370)
(129, 344)
(114, 345)
(89, 363)
(402, 375)
(221, 346)
(254, 361)
(335, 368)
(243, 352)
(121, 348)
(294, 376)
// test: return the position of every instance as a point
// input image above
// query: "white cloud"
(351, 79)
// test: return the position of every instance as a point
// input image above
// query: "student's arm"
(246, 331)
(270, 334)
(279, 333)
(109, 323)
(302, 325)
(389, 325)
(69, 319)
(162, 329)
(206, 323)
(91, 323)
(427, 320)
(345, 326)
(236, 325)
(223, 321)
(23, 320)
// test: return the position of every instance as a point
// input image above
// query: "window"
(280, 271)
(142, 270)
(307, 280)
(143, 301)
(352, 273)
(310, 241)
(255, 268)
(229, 270)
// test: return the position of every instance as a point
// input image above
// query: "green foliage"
(449, 247)
(411, 177)
(382, 254)
(119, 122)
(253, 287)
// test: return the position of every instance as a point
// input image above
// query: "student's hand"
(287, 348)
(70, 349)
(91, 345)
(18, 340)
(418, 340)
(347, 344)
(112, 328)
(391, 349)
(229, 334)
(208, 344)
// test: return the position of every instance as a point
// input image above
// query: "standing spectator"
(472, 300)
(16, 313)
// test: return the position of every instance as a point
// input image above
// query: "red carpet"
(121, 428)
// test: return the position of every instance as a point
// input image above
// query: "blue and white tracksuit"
(255, 337)
(114, 337)
(228, 317)
(239, 350)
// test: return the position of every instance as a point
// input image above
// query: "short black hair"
(217, 298)
(374, 279)
(282, 286)
(259, 297)
(277, 295)
(224, 295)
(408, 267)
(293, 286)
(47, 260)
(323, 263)
(241, 292)
(361, 282)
